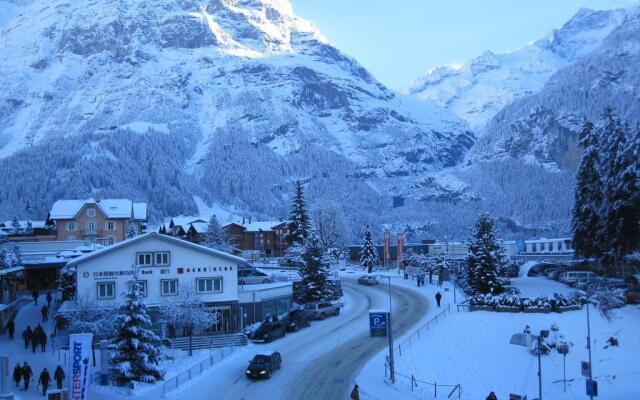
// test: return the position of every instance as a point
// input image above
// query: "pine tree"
(137, 353)
(4, 262)
(214, 237)
(17, 257)
(486, 257)
(368, 253)
(16, 225)
(132, 231)
(299, 224)
(67, 283)
(586, 222)
(314, 271)
(622, 211)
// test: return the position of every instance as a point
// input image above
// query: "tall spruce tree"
(137, 353)
(15, 224)
(299, 223)
(487, 256)
(622, 212)
(67, 283)
(588, 197)
(314, 271)
(368, 253)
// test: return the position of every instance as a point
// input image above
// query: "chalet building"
(163, 266)
(263, 238)
(179, 226)
(104, 221)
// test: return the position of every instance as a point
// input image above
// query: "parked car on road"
(296, 320)
(321, 310)
(264, 364)
(571, 278)
(268, 332)
(540, 269)
(251, 276)
(369, 280)
(555, 272)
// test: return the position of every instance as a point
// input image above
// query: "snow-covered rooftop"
(184, 221)
(111, 208)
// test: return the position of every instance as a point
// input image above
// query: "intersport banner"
(79, 365)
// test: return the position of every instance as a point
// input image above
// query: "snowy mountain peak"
(484, 85)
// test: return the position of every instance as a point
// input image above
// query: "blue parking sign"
(378, 323)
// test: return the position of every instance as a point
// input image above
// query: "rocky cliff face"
(250, 95)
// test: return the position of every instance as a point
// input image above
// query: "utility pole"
(540, 366)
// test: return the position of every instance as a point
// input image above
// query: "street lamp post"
(589, 344)
(392, 370)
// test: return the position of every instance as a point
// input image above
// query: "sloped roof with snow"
(112, 208)
(200, 227)
(258, 225)
(158, 236)
(184, 221)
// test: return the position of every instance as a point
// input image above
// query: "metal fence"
(416, 335)
(423, 389)
(174, 382)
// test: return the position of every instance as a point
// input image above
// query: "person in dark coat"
(11, 327)
(17, 374)
(58, 375)
(438, 298)
(49, 298)
(27, 335)
(45, 313)
(35, 294)
(355, 393)
(38, 332)
(43, 341)
(27, 373)
(492, 396)
(44, 380)
(430, 277)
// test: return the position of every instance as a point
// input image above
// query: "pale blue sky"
(398, 40)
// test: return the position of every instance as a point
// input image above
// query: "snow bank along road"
(320, 362)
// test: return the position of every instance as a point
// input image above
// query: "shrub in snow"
(85, 316)
(607, 298)
(537, 303)
(67, 283)
(137, 348)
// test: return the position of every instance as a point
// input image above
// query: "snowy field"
(472, 349)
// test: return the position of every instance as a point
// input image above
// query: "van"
(571, 278)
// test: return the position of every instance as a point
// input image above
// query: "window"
(71, 237)
(142, 286)
(144, 259)
(209, 285)
(534, 247)
(91, 212)
(169, 287)
(71, 226)
(110, 225)
(91, 226)
(106, 290)
(162, 258)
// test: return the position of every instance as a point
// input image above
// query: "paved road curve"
(331, 376)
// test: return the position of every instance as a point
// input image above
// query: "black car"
(296, 320)
(264, 364)
(268, 332)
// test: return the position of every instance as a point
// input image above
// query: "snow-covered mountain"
(229, 100)
(481, 87)
(543, 127)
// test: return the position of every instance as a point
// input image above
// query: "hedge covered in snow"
(515, 303)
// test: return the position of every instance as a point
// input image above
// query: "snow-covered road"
(320, 362)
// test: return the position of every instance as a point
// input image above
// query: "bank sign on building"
(163, 265)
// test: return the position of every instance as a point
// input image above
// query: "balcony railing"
(90, 232)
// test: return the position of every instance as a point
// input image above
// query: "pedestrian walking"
(438, 298)
(27, 373)
(492, 396)
(11, 327)
(430, 277)
(43, 341)
(27, 335)
(45, 313)
(49, 298)
(44, 380)
(58, 375)
(17, 374)
(35, 294)
(355, 393)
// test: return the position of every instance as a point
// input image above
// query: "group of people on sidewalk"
(24, 373)
(34, 338)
